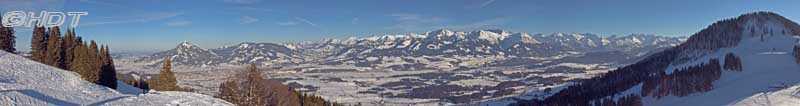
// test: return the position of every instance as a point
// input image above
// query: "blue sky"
(161, 24)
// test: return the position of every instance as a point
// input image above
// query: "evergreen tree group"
(732, 62)
(7, 38)
(70, 52)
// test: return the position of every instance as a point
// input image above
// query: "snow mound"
(26, 82)
(786, 97)
(171, 98)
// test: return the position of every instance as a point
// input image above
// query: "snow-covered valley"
(465, 67)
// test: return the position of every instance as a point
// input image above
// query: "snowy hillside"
(25, 82)
(765, 64)
(728, 61)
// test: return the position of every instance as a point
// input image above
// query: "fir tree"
(39, 44)
(54, 52)
(94, 56)
(166, 80)
(68, 45)
(108, 74)
(82, 64)
(7, 38)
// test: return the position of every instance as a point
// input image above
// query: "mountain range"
(441, 44)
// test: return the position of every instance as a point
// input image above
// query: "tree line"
(69, 52)
(250, 88)
(682, 82)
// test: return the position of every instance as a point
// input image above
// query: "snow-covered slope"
(701, 71)
(25, 82)
(765, 64)
(787, 97)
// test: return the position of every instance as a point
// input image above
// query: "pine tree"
(82, 64)
(54, 52)
(39, 44)
(94, 56)
(108, 73)
(229, 91)
(166, 80)
(7, 38)
(68, 44)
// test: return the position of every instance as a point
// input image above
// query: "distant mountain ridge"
(443, 42)
(187, 53)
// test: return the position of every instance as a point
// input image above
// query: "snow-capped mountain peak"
(441, 32)
(184, 54)
(186, 44)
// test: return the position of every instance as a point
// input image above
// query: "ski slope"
(26, 82)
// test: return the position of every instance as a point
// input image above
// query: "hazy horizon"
(159, 25)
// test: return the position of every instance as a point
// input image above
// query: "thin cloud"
(305, 21)
(411, 22)
(242, 1)
(136, 19)
(96, 2)
(31, 4)
(254, 9)
(487, 3)
(489, 23)
(354, 21)
(287, 23)
(248, 20)
(179, 23)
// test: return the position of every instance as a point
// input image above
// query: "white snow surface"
(26, 82)
(786, 97)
